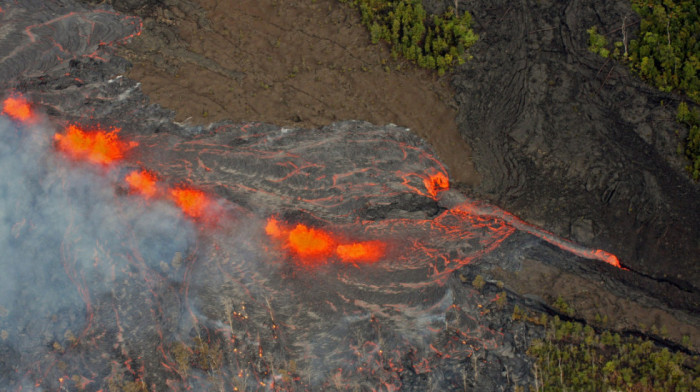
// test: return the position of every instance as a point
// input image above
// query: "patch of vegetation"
(597, 43)
(501, 300)
(206, 356)
(479, 282)
(437, 43)
(666, 54)
(563, 307)
(575, 357)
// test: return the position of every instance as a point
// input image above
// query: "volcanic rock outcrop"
(574, 142)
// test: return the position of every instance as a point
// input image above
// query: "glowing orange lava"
(273, 228)
(192, 202)
(310, 243)
(18, 108)
(361, 252)
(314, 246)
(608, 258)
(436, 183)
(96, 146)
(142, 182)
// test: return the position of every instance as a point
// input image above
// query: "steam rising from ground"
(67, 234)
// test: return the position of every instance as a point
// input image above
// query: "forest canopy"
(435, 42)
(666, 54)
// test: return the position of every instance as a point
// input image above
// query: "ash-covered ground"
(107, 289)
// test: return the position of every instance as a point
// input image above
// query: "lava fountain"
(142, 182)
(95, 146)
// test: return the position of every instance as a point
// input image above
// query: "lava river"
(231, 257)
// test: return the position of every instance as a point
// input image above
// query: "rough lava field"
(141, 253)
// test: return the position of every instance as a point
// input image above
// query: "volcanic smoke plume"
(70, 239)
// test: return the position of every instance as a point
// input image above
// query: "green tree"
(666, 54)
(439, 42)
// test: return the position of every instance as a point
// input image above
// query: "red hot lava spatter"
(142, 182)
(19, 109)
(193, 202)
(98, 145)
(436, 183)
(432, 183)
(361, 252)
(314, 246)
(104, 147)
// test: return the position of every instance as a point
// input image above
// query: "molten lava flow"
(142, 182)
(18, 108)
(608, 258)
(361, 252)
(315, 246)
(96, 146)
(310, 243)
(436, 183)
(483, 210)
(192, 202)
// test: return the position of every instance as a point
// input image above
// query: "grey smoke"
(65, 226)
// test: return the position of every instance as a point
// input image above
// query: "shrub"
(478, 282)
(574, 357)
